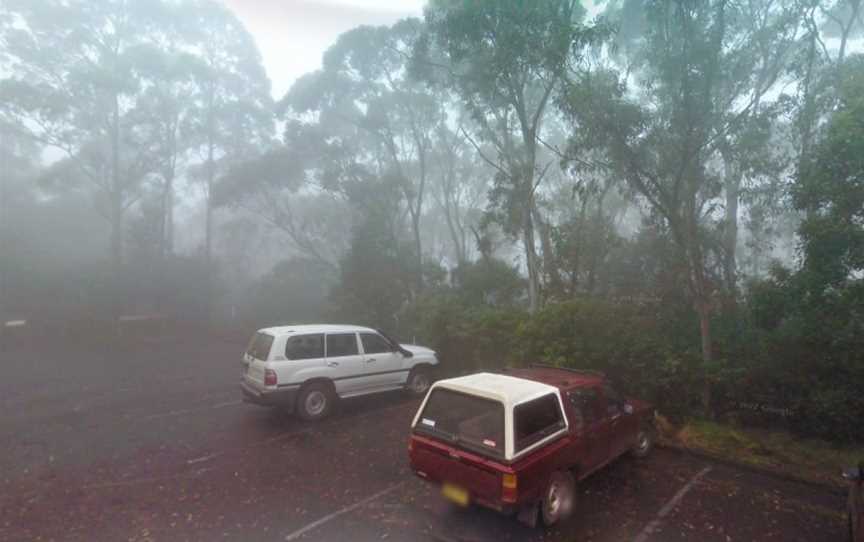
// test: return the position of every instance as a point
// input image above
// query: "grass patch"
(775, 450)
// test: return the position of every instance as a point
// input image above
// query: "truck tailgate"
(442, 463)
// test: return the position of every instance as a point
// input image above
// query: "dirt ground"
(149, 440)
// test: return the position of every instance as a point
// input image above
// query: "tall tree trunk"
(702, 306)
(531, 260)
(549, 265)
(808, 113)
(208, 232)
(418, 211)
(165, 217)
(166, 213)
(415, 226)
(4, 233)
(169, 221)
(456, 236)
(732, 188)
(704, 311)
(528, 225)
(116, 212)
(208, 218)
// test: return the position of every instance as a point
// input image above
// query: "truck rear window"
(474, 423)
(259, 346)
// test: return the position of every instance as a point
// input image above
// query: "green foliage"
(378, 272)
(488, 282)
(467, 338)
(294, 291)
(830, 190)
(627, 340)
(808, 356)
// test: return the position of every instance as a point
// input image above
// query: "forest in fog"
(671, 190)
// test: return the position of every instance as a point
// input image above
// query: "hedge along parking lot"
(169, 453)
(788, 376)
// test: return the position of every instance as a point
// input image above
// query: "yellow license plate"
(455, 494)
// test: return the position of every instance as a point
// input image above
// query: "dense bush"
(803, 370)
(624, 340)
(808, 353)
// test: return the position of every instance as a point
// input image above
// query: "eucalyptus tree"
(690, 91)
(830, 190)
(297, 189)
(829, 26)
(72, 80)
(459, 183)
(234, 120)
(506, 60)
(365, 84)
(18, 164)
(171, 70)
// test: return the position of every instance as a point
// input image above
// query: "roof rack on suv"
(577, 371)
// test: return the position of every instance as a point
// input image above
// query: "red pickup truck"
(519, 442)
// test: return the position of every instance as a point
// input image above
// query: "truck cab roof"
(564, 379)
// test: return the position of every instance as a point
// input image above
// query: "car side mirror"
(407, 353)
(628, 408)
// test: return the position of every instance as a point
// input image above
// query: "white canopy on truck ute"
(509, 391)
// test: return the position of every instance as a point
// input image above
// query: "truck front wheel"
(644, 442)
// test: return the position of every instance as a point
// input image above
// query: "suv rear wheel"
(558, 499)
(315, 401)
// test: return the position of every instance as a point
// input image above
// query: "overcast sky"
(293, 34)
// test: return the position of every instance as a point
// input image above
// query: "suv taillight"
(508, 487)
(269, 377)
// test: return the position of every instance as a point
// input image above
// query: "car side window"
(341, 344)
(614, 401)
(536, 420)
(374, 343)
(305, 347)
(586, 403)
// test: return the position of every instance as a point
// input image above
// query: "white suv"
(304, 368)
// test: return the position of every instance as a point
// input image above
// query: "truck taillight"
(269, 377)
(508, 488)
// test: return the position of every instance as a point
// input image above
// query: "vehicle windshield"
(259, 346)
(468, 421)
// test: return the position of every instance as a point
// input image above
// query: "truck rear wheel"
(557, 504)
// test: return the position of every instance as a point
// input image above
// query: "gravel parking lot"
(149, 440)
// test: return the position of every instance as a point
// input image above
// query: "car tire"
(557, 503)
(644, 442)
(315, 402)
(419, 380)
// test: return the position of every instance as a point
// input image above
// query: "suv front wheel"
(419, 381)
(315, 401)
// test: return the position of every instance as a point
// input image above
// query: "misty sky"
(293, 34)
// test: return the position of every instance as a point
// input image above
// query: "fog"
(665, 196)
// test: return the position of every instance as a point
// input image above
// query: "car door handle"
(333, 364)
(370, 360)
